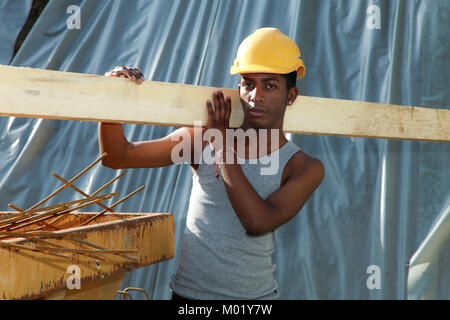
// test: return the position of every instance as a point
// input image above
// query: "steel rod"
(45, 216)
(114, 205)
(78, 190)
(71, 181)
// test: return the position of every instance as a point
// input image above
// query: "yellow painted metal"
(30, 275)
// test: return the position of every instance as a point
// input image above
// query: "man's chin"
(257, 124)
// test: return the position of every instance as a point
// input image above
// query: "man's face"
(264, 97)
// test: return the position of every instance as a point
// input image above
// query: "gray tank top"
(218, 260)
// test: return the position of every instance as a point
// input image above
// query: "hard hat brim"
(268, 69)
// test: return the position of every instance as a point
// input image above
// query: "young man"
(234, 209)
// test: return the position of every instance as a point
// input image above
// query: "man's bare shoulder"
(302, 164)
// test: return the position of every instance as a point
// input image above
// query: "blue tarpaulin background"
(381, 200)
(13, 15)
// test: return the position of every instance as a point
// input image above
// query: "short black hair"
(291, 79)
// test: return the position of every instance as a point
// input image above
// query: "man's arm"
(146, 154)
(259, 216)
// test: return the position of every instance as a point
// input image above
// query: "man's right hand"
(134, 74)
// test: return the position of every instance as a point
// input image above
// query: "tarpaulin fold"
(13, 15)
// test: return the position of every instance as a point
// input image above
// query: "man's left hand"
(219, 117)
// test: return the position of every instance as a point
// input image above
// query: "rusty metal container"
(100, 254)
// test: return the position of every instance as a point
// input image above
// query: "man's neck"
(267, 139)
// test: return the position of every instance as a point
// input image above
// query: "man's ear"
(292, 94)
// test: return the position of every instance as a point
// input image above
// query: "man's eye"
(247, 85)
(270, 86)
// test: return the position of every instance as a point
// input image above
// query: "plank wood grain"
(38, 93)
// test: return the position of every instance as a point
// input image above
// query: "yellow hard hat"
(268, 50)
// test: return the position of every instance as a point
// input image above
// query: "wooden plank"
(38, 93)
(30, 275)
